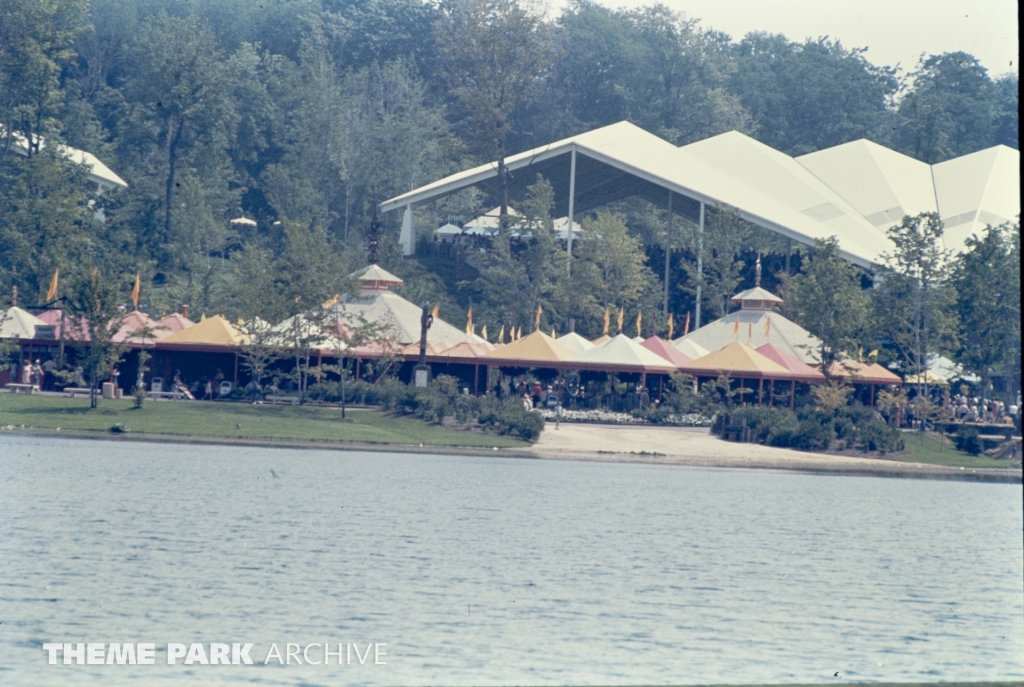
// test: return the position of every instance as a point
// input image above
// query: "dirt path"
(696, 446)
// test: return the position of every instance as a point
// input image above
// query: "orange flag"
(434, 312)
(671, 325)
(483, 332)
(536, 318)
(469, 320)
(639, 317)
(736, 327)
(768, 329)
(553, 335)
(135, 291)
(519, 333)
(501, 335)
(52, 293)
(750, 331)
(686, 326)
(607, 321)
(622, 313)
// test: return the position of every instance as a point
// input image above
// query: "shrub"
(968, 440)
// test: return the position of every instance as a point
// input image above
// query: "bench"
(22, 388)
(283, 400)
(172, 395)
(72, 391)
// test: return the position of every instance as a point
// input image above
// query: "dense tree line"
(305, 114)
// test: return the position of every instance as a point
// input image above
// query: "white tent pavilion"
(16, 323)
(575, 342)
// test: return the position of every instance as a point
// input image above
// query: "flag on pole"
(686, 326)
(52, 293)
(135, 292)
(622, 313)
(607, 321)
(768, 329)
(553, 335)
(435, 312)
(519, 333)
(639, 318)
(501, 335)
(750, 331)
(736, 327)
(536, 317)
(469, 320)
(483, 332)
(671, 325)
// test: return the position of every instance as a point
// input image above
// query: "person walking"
(558, 415)
(208, 396)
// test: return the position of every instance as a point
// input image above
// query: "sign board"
(46, 331)
(422, 376)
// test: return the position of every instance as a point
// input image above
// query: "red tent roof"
(800, 369)
(665, 350)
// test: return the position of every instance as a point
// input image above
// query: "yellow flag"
(639, 318)
(736, 327)
(483, 332)
(873, 354)
(686, 326)
(135, 291)
(671, 325)
(768, 329)
(553, 335)
(750, 331)
(607, 321)
(332, 300)
(519, 333)
(501, 334)
(536, 318)
(52, 293)
(435, 311)
(622, 313)
(469, 320)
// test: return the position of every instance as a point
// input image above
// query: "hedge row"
(852, 427)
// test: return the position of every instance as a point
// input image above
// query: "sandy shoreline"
(688, 447)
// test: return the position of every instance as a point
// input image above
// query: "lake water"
(499, 571)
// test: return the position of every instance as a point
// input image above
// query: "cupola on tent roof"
(756, 299)
(375, 278)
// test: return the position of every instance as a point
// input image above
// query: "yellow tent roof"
(535, 348)
(738, 358)
(214, 330)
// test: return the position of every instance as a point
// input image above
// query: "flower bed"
(609, 417)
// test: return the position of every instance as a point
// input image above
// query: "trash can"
(156, 384)
(108, 390)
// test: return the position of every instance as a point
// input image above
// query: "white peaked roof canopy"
(375, 273)
(756, 298)
(16, 323)
(575, 342)
(622, 160)
(399, 317)
(487, 223)
(690, 348)
(882, 185)
(976, 190)
(789, 190)
(448, 230)
(622, 352)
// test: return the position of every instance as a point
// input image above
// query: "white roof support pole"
(572, 200)
(668, 248)
(408, 236)
(700, 262)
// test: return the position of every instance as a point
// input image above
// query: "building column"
(668, 249)
(408, 236)
(572, 202)
(700, 263)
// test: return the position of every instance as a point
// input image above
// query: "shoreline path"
(697, 447)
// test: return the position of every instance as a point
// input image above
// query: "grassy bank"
(925, 448)
(236, 420)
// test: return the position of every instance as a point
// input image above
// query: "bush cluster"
(968, 440)
(441, 400)
(808, 429)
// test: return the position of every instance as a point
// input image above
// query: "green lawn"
(242, 420)
(926, 449)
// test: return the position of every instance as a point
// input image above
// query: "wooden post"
(236, 371)
(872, 395)
(760, 391)
(476, 380)
(358, 360)
(792, 393)
(771, 393)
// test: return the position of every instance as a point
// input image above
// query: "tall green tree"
(986, 280)
(36, 44)
(826, 299)
(913, 304)
(491, 52)
(95, 314)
